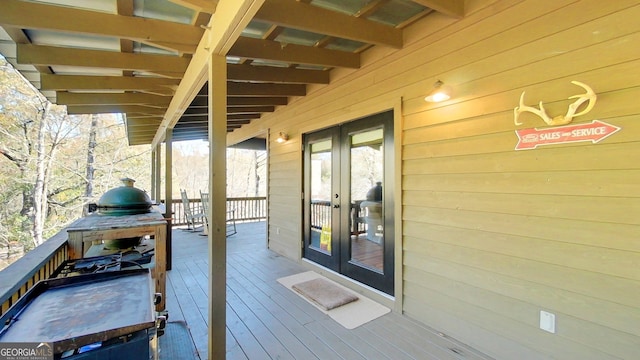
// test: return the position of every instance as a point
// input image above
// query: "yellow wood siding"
(491, 235)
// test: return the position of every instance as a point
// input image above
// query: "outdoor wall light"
(282, 137)
(440, 93)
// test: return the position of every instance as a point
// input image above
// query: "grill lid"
(124, 200)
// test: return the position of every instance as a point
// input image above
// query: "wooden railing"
(241, 209)
(321, 215)
(38, 264)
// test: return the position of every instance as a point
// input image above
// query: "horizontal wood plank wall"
(491, 235)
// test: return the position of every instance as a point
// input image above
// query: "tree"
(246, 171)
(91, 150)
(53, 163)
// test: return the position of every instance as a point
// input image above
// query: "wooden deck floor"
(267, 321)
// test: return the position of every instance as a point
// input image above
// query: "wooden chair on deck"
(231, 220)
(189, 215)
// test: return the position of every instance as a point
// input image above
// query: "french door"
(348, 202)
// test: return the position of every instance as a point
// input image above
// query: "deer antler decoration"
(589, 96)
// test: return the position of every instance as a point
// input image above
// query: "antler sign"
(589, 96)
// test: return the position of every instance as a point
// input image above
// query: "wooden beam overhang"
(453, 8)
(248, 116)
(276, 74)
(193, 117)
(200, 115)
(195, 112)
(55, 24)
(201, 98)
(260, 89)
(110, 109)
(19, 37)
(232, 17)
(52, 55)
(128, 83)
(143, 116)
(251, 48)
(69, 98)
(248, 109)
(202, 118)
(203, 125)
(165, 34)
(301, 16)
(257, 101)
(206, 6)
(190, 135)
(143, 123)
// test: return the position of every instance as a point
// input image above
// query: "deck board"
(265, 320)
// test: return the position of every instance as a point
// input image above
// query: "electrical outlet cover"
(548, 322)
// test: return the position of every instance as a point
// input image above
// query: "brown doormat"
(324, 293)
(350, 315)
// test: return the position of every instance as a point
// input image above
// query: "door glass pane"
(367, 207)
(320, 188)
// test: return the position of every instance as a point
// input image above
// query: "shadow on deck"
(267, 321)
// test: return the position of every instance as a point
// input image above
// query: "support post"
(158, 171)
(217, 84)
(153, 175)
(168, 214)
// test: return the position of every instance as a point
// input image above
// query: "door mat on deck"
(350, 315)
(176, 343)
(324, 293)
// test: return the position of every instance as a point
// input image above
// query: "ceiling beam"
(184, 126)
(232, 117)
(201, 101)
(81, 82)
(206, 6)
(125, 7)
(204, 121)
(262, 89)
(250, 109)
(195, 112)
(112, 109)
(19, 37)
(276, 74)
(193, 118)
(69, 98)
(202, 118)
(292, 53)
(203, 124)
(134, 122)
(297, 15)
(192, 115)
(52, 55)
(231, 18)
(190, 135)
(453, 8)
(159, 92)
(31, 15)
(142, 116)
(256, 101)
